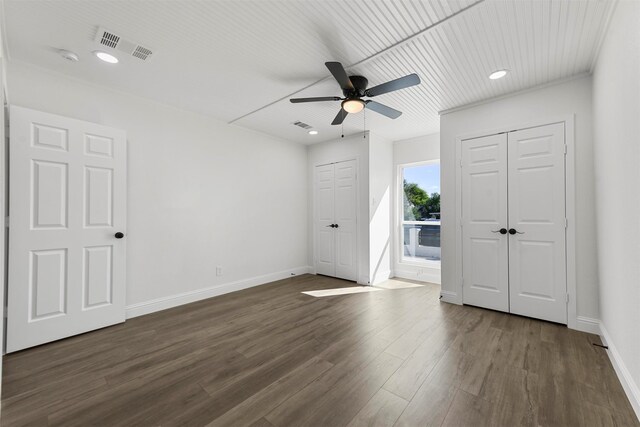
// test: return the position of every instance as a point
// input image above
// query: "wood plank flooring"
(272, 357)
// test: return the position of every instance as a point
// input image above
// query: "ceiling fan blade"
(340, 117)
(316, 99)
(383, 109)
(340, 75)
(397, 84)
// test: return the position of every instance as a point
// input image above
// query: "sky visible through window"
(426, 176)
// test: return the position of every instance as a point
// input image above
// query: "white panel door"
(484, 215)
(335, 220)
(345, 219)
(67, 202)
(537, 260)
(324, 207)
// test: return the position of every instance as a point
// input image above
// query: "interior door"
(335, 223)
(537, 255)
(484, 216)
(345, 219)
(324, 207)
(67, 202)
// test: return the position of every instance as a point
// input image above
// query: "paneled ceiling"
(239, 61)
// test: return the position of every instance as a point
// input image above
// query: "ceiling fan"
(354, 88)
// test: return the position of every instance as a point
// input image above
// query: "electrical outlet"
(219, 270)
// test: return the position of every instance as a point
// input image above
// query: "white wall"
(201, 193)
(3, 211)
(420, 149)
(616, 107)
(348, 148)
(551, 102)
(380, 208)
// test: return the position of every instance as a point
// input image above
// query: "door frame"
(570, 206)
(313, 210)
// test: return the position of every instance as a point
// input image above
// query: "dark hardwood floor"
(271, 356)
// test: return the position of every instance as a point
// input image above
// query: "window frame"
(401, 222)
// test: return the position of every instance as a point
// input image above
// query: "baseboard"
(147, 307)
(587, 324)
(628, 384)
(381, 277)
(412, 275)
(450, 297)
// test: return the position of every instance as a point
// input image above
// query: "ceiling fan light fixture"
(353, 106)
(313, 132)
(498, 74)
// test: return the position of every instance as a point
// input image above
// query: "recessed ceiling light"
(106, 57)
(498, 74)
(68, 55)
(313, 132)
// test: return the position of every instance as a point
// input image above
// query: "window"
(420, 210)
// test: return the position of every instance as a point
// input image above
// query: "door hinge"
(566, 223)
(460, 162)
(567, 298)
(565, 149)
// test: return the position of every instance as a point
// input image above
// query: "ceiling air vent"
(114, 41)
(108, 39)
(302, 125)
(141, 52)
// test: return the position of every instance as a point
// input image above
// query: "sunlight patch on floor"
(386, 285)
(392, 284)
(341, 291)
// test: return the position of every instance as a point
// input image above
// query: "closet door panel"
(484, 213)
(537, 256)
(345, 219)
(324, 207)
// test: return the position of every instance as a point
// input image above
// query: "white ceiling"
(228, 58)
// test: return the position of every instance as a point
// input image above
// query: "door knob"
(336, 225)
(514, 231)
(501, 231)
(119, 235)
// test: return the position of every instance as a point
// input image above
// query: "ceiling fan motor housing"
(360, 84)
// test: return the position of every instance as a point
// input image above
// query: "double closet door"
(514, 222)
(335, 219)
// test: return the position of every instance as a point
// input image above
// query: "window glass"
(421, 212)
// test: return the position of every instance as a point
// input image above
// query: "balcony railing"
(421, 240)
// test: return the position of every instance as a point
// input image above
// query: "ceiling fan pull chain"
(342, 124)
(364, 123)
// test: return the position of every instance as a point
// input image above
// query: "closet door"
(537, 256)
(335, 220)
(345, 219)
(324, 210)
(484, 216)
